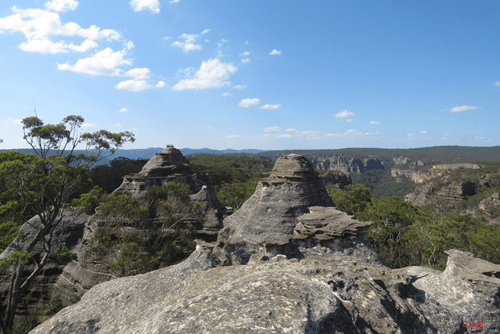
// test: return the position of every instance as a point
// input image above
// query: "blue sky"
(256, 74)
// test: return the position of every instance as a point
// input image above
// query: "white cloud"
(497, 83)
(239, 87)
(174, 1)
(245, 103)
(224, 40)
(205, 31)
(123, 109)
(166, 38)
(423, 132)
(160, 84)
(351, 132)
(373, 122)
(275, 52)
(61, 5)
(348, 120)
(246, 53)
(212, 73)
(246, 42)
(138, 73)
(129, 45)
(462, 108)
(344, 114)
(290, 130)
(12, 121)
(139, 5)
(188, 44)
(232, 136)
(105, 62)
(118, 125)
(270, 106)
(89, 125)
(138, 85)
(246, 60)
(226, 94)
(410, 135)
(273, 129)
(284, 135)
(38, 24)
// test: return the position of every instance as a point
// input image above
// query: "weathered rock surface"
(312, 295)
(269, 216)
(340, 179)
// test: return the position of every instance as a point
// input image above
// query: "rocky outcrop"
(69, 283)
(311, 295)
(348, 164)
(446, 190)
(170, 165)
(292, 264)
(340, 179)
(456, 166)
(268, 217)
(413, 174)
(491, 200)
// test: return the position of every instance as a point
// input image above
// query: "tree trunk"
(14, 296)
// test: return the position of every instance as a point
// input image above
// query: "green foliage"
(420, 236)
(63, 255)
(22, 257)
(382, 183)
(136, 236)
(89, 201)
(8, 231)
(235, 194)
(231, 168)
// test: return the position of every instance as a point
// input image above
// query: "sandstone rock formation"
(292, 264)
(170, 165)
(268, 217)
(312, 295)
(491, 200)
(340, 179)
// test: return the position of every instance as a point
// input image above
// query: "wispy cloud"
(348, 120)
(462, 108)
(232, 136)
(123, 109)
(245, 103)
(351, 132)
(89, 125)
(118, 125)
(410, 135)
(246, 60)
(226, 94)
(174, 1)
(61, 5)
(423, 132)
(188, 43)
(373, 122)
(138, 85)
(139, 5)
(205, 31)
(246, 53)
(344, 114)
(12, 121)
(290, 130)
(275, 53)
(212, 73)
(273, 129)
(497, 83)
(270, 106)
(239, 87)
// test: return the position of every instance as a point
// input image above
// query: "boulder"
(489, 201)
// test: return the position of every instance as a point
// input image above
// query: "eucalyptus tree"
(44, 182)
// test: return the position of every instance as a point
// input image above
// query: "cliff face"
(301, 267)
(347, 164)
